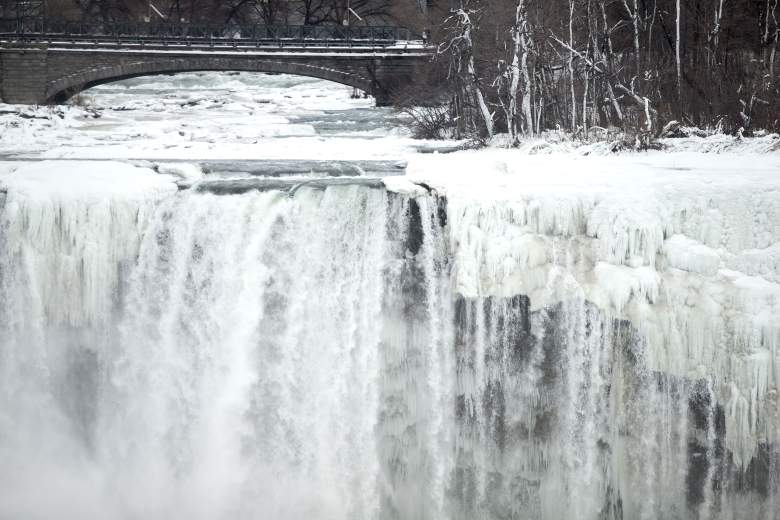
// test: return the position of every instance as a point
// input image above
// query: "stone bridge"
(51, 72)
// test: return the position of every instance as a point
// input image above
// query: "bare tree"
(463, 71)
(520, 76)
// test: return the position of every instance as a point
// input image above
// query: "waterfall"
(348, 351)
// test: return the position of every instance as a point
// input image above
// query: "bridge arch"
(61, 88)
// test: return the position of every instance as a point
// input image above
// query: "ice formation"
(687, 254)
(486, 338)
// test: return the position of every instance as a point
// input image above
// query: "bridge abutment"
(23, 75)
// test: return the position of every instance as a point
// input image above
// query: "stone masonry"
(37, 74)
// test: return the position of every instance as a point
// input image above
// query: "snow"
(609, 143)
(404, 186)
(187, 173)
(83, 181)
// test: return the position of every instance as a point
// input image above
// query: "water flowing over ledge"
(598, 345)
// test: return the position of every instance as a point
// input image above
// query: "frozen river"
(208, 116)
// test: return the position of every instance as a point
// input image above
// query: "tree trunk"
(678, 45)
(571, 67)
(528, 120)
(514, 83)
(635, 24)
(716, 33)
(521, 78)
(771, 11)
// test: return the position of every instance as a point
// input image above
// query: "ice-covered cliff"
(685, 247)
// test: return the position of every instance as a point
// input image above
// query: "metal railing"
(43, 29)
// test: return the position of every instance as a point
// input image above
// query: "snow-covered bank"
(602, 143)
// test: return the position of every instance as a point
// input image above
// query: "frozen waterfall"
(355, 352)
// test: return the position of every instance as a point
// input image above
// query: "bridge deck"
(236, 46)
(204, 43)
(46, 30)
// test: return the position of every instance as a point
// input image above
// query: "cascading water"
(318, 355)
